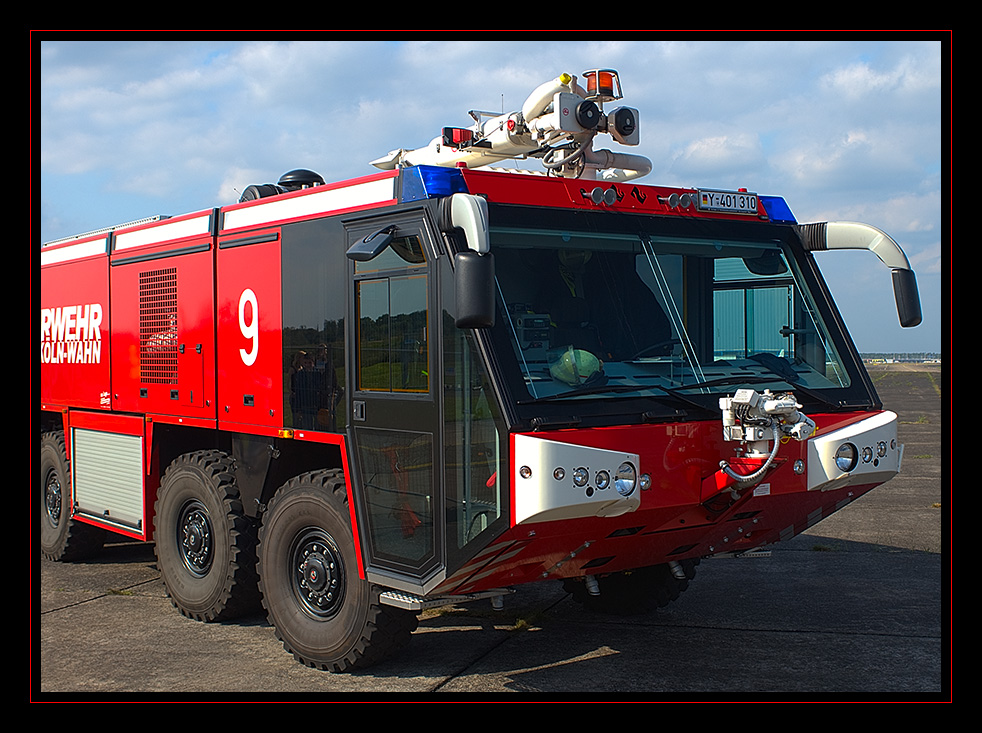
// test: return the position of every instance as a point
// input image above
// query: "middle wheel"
(204, 542)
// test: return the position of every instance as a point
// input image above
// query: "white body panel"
(542, 497)
(877, 434)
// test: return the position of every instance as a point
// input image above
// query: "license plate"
(732, 202)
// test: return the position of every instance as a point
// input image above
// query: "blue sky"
(844, 127)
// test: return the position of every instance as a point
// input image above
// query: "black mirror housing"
(474, 289)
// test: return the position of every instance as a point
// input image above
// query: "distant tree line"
(913, 356)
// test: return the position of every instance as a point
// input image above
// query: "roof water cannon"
(758, 420)
(557, 124)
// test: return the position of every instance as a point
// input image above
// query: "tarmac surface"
(855, 609)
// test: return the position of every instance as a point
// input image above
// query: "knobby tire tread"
(240, 591)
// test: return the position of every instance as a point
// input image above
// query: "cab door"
(392, 388)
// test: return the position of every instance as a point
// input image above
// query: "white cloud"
(841, 129)
(719, 156)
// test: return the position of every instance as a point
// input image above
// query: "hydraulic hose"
(759, 473)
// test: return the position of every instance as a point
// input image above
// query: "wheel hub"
(195, 538)
(318, 578)
(52, 499)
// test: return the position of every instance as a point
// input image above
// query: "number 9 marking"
(250, 330)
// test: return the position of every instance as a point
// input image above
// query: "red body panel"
(163, 326)
(74, 325)
(250, 368)
(565, 193)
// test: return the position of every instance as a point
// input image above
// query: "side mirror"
(469, 214)
(474, 289)
(473, 267)
(852, 235)
(371, 246)
(908, 300)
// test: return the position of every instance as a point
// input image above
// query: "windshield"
(604, 315)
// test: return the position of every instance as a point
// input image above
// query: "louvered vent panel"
(158, 326)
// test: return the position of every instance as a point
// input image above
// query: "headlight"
(580, 476)
(625, 479)
(845, 457)
(602, 479)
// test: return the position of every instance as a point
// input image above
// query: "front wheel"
(323, 612)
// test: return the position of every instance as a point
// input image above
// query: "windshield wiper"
(616, 388)
(676, 391)
(771, 376)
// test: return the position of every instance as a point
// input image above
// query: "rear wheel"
(62, 538)
(323, 612)
(634, 591)
(205, 544)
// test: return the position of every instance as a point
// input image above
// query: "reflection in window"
(758, 308)
(401, 253)
(397, 475)
(392, 340)
(391, 307)
(597, 315)
(314, 307)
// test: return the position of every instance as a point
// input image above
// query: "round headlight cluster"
(846, 457)
(626, 479)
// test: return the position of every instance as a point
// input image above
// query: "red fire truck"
(352, 401)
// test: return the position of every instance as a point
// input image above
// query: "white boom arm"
(557, 123)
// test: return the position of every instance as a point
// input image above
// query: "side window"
(751, 313)
(758, 308)
(476, 482)
(391, 296)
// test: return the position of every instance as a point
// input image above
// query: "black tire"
(634, 591)
(62, 539)
(323, 612)
(204, 542)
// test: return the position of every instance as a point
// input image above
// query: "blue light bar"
(428, 181)
(777, 209)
